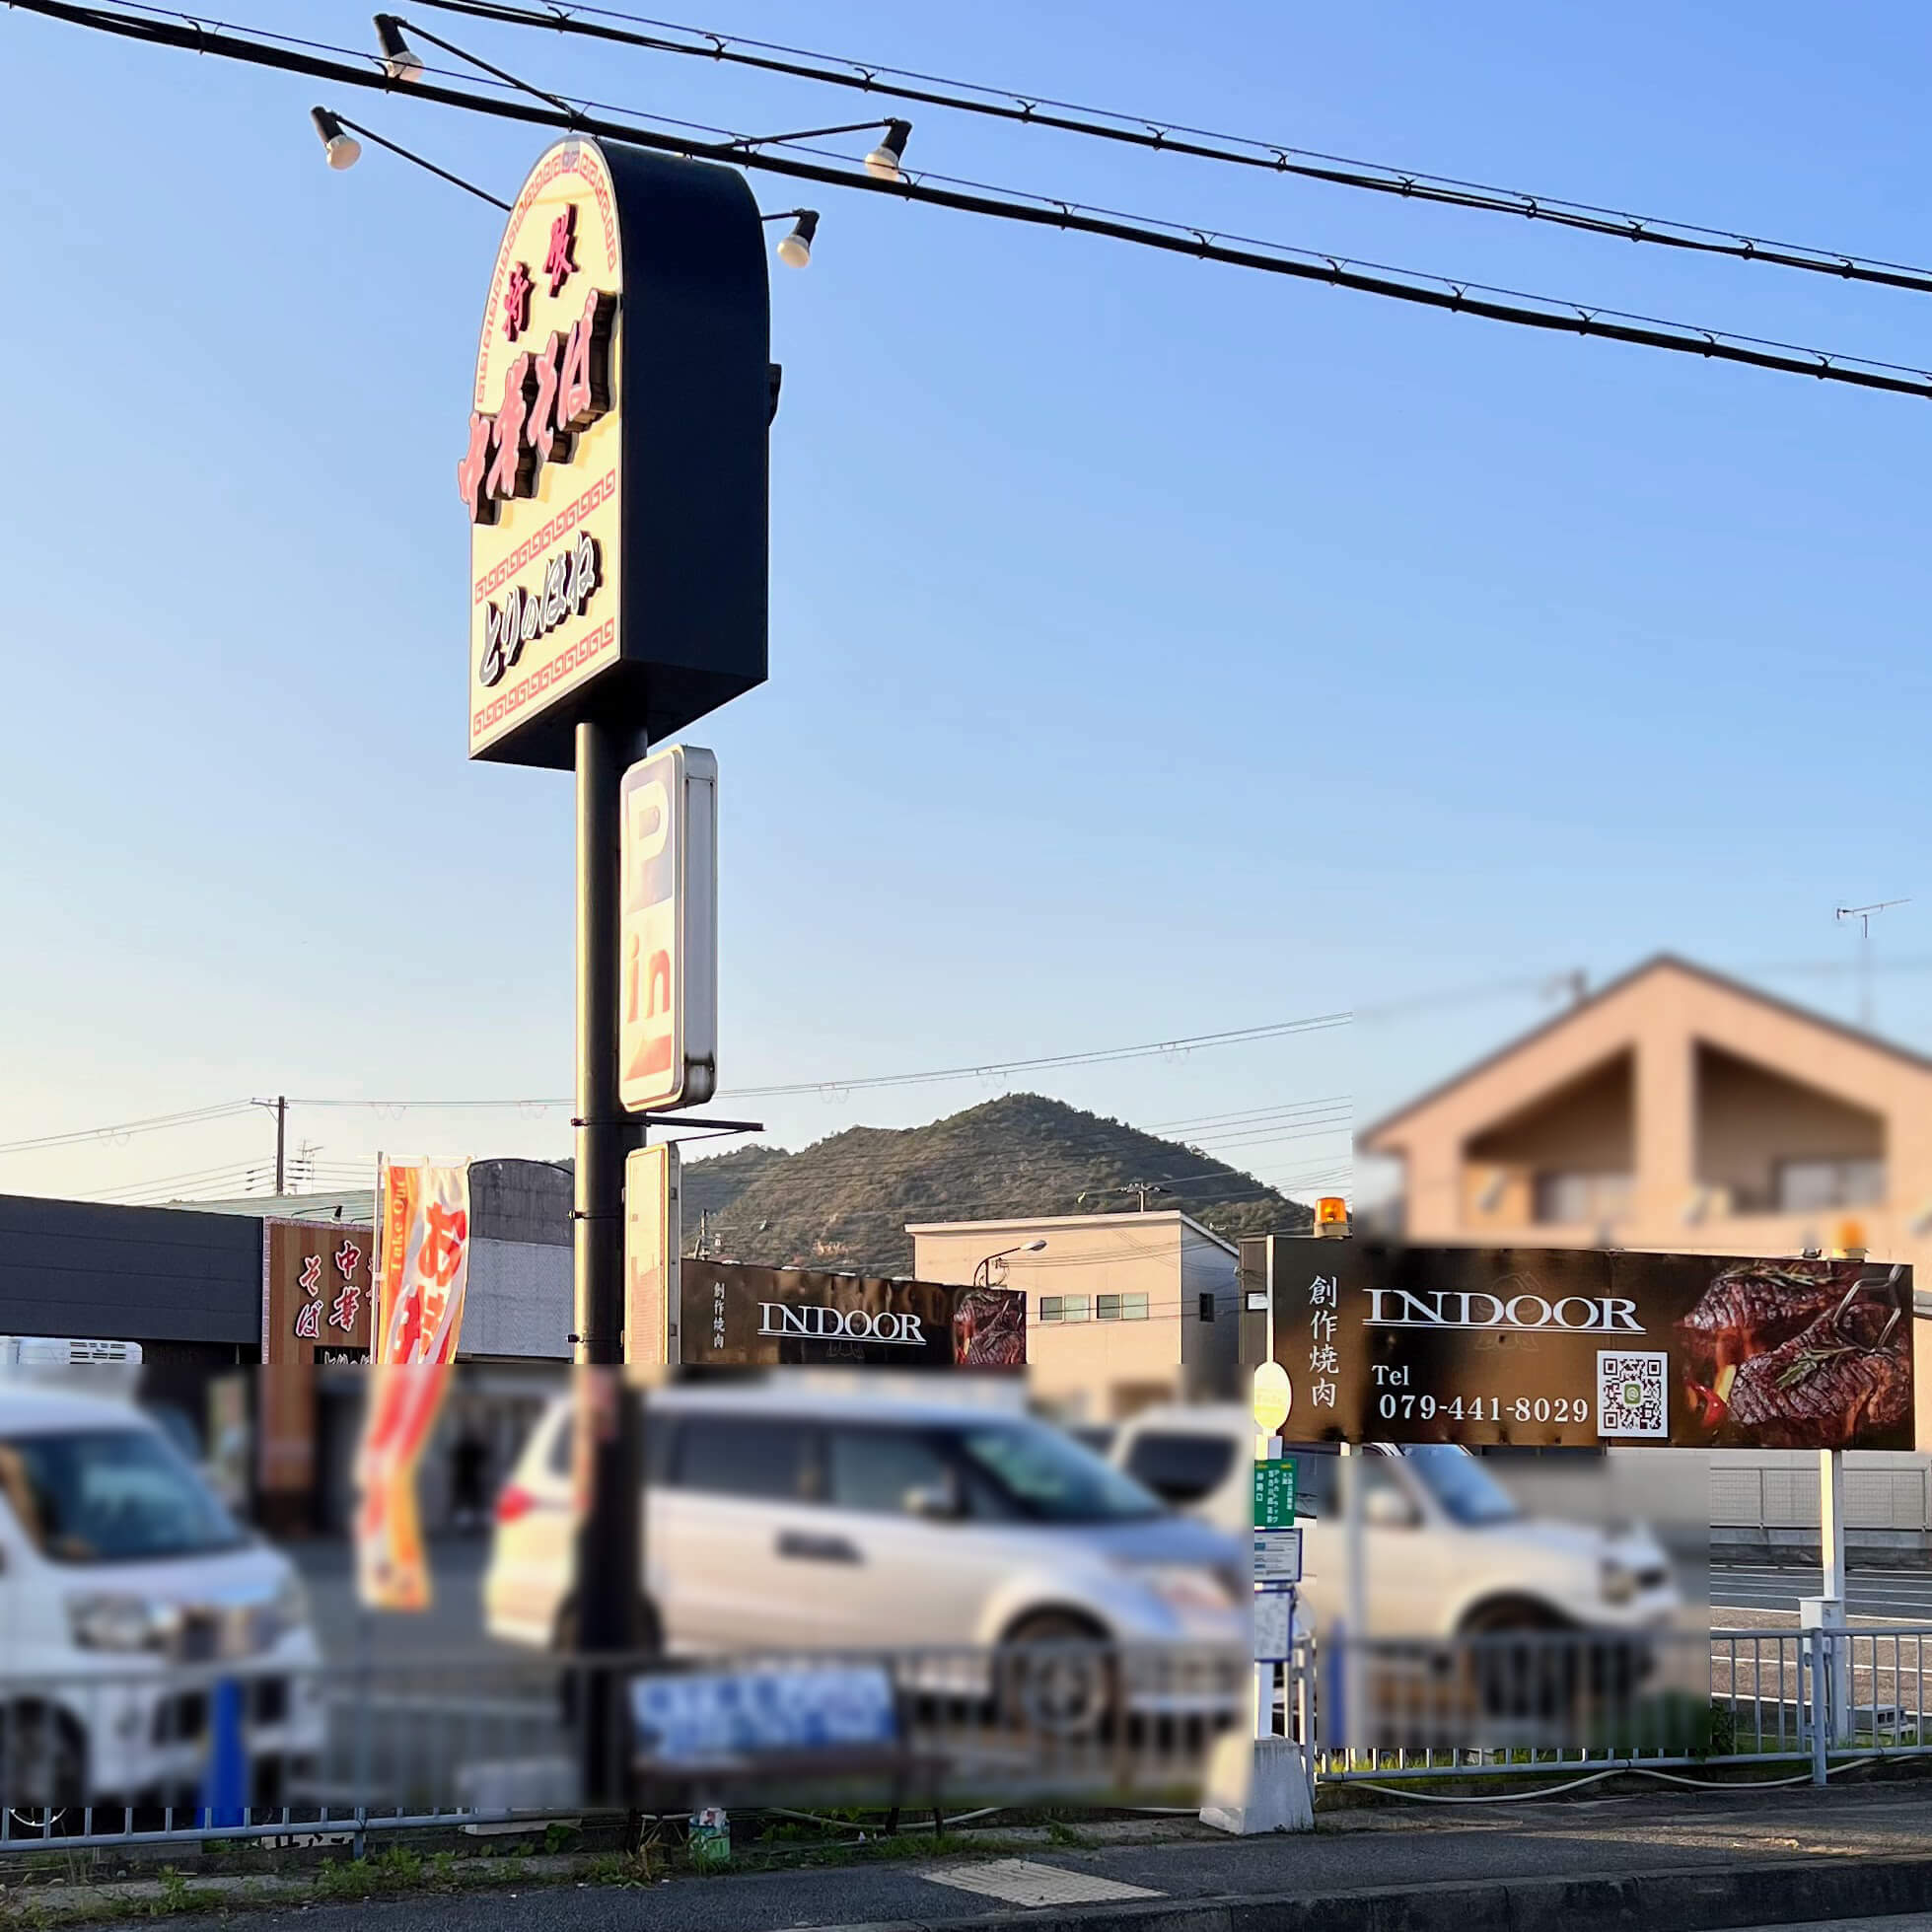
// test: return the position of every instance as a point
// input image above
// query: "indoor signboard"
(733, 1314)
(1591, 1347)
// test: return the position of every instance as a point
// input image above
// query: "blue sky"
(1156, 648)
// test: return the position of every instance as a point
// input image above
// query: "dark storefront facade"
(185, 1286)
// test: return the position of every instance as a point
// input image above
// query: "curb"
(1698, 1899)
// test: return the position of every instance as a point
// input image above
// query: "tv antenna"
(1863, 914)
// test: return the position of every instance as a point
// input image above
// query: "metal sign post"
(609, 1536)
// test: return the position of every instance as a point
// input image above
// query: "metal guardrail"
(1578, 1701)
(178, 1754)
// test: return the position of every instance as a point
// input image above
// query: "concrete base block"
(1256, 1785)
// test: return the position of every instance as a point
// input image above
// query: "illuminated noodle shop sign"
(613, 468)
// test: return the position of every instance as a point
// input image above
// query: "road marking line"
(1020, 1882)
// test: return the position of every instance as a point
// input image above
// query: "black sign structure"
(733, 1314)
(615, 466)
(1587, 1347)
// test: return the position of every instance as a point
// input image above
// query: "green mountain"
(844, 1202)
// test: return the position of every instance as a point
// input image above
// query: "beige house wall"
(1453, 1149)
(1100, 1371)
(1750, 1119)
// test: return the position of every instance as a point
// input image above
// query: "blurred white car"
(786, 1521)
(125, 1590)
(1447, 1549)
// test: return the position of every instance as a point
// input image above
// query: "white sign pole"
(1827, 1612)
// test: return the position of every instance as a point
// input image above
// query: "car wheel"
(1055, 1677)
(1521, 1665)
(43, 1761)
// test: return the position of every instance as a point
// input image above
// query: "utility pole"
(1140, 1189)
(281, 1142)
(1863, 914)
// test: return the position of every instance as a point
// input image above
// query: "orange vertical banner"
(423, 1241)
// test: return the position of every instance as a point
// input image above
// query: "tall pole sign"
(614, 472)
(668, 1011)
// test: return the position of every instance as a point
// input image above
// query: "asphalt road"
(1899, 1595)
(1679, 1831)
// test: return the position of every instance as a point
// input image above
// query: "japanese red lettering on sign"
(516, 302)
(546, 399)
(563, 260)
(311, 1274)
(584, 394)
(343, 1311)
(513, 462)
(308, 1323)
(546, 438)
(346, 1257)
(473, 467)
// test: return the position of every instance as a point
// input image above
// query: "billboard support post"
(1831, 1520)
(1826, 1614)
(610, 1547)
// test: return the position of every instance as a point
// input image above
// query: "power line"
(1250, 1115)
(119, 1130)
(1162, 136)
(1518, 307)
(984, 1069)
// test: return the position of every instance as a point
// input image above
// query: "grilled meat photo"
(1755, 1306)
(989, 1329)
(1847, 1373)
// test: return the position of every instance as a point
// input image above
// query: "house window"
(1120, 1308)
(1807, 1186)
(1569, 1199)
(1206, 1305)
(1063, 1307)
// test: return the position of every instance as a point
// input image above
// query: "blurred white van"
(1447, 1549)
(782, 1520)
(125, 1589)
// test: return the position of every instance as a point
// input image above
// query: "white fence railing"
(1546, 1702)
(173, 1755)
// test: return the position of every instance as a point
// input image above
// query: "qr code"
(1631, 1392)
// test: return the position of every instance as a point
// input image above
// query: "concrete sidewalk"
(1662, 1861)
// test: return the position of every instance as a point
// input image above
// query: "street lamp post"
(982, 1276)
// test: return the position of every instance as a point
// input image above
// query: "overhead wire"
(1162, 135)
(1515, 307)
(121, 1129)
(984, 1069)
